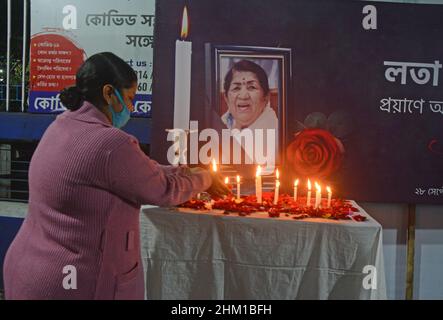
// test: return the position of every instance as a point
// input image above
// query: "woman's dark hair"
(246, 65)
(98, 70)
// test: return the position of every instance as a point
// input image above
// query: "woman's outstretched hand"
(218, 188)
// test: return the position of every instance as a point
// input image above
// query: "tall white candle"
(317, 195)
(258, 187)
(295, 189)
(329, 196)
(182, 88)
(308, 202)
(238, 187)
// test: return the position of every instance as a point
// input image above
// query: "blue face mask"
(119, 119)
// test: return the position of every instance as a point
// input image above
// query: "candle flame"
(238, 179)
(309, 185)
(185, 24)
(328, 189)
(296, 183)
(258, 173)
(277, 174)
(277, 183)
(227, 180)
(317, 186)
(214, 165)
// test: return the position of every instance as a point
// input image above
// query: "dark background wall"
(338, 67)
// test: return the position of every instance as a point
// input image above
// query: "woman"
(247, 96)
(87, 180)
(246, 90)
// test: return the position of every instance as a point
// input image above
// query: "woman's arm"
(135, 177)
(169, 169)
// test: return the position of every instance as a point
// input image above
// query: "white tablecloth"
(215, 256)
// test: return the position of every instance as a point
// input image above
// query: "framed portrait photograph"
(247, 88)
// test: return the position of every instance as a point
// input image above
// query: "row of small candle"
(318, 196)
(259, 192)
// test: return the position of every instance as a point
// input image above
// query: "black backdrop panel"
(338, 70)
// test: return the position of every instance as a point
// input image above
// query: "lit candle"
(258, 190)
(329, 196)
(308, 202)
(238, 187)
(277, 186)
(295, 189)
(182, 90)
(317, 195)
(227, 184)
(214, 165)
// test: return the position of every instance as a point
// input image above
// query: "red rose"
(315, 153)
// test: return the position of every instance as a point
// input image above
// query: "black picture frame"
(214, 73)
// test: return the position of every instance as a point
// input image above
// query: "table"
(214, 256)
